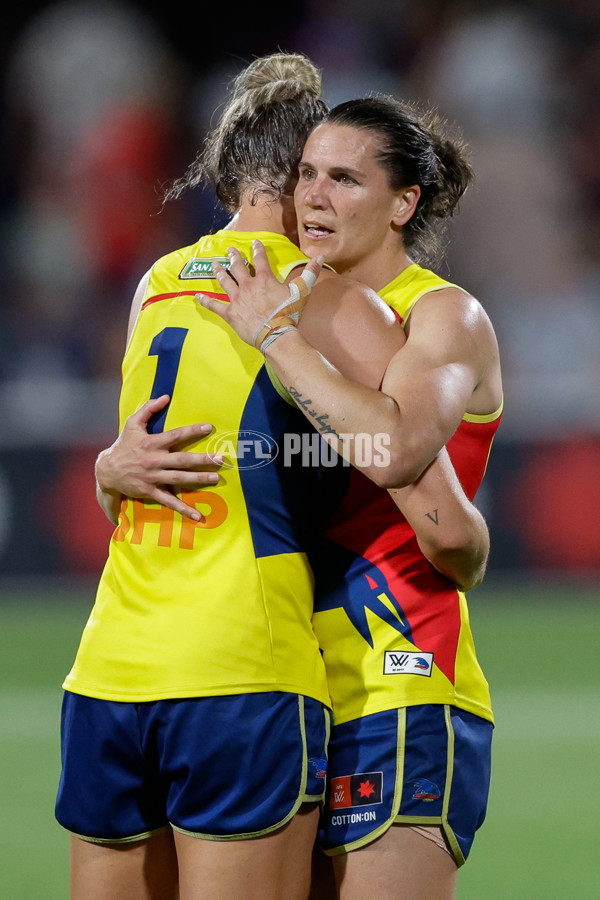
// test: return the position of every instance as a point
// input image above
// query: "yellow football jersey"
(393, 631)
(223, 605)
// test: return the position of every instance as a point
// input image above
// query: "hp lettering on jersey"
(156, 523)
(398, 662)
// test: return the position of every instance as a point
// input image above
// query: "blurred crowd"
(105, 103)
(102, 109)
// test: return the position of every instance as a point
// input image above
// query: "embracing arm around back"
(451, 532)
(151, 466)
(108, 490)
(449, 365)
(350, 335)
(355, 335)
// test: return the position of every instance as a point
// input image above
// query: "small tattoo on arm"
(321, 420)
(433, 516)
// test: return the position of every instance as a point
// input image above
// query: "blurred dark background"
(104, 103)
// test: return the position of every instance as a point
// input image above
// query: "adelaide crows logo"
(426, 790)
(348, 581)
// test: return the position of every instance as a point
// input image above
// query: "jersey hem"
(468, 706)
(191, 693)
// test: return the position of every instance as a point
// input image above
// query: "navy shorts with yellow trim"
(423, 765)
(221, 768)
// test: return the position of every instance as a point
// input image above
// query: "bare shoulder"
(352, 327)
(454, 327)
(337, 296)
(453, 314)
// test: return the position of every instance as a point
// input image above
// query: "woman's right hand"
(152, 466)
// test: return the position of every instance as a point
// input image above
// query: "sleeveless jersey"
(223, 605)
(393, 631)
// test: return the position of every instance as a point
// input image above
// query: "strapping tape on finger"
(287, 314)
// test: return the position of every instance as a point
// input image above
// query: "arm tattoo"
(321, 420)
(433, 516)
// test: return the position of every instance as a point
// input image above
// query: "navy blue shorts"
(222, 768)
(423, 765)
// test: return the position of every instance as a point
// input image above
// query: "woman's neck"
(260, 217)
(377, 270)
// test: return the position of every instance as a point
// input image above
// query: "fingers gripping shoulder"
(260, 308)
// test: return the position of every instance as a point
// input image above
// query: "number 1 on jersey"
(167, 345)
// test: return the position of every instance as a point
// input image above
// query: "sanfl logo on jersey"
(199, 267)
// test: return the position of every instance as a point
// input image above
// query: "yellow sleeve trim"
(488, 417)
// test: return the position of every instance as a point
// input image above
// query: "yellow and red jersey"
(393, 631)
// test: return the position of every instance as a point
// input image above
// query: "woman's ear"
(407, 203)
